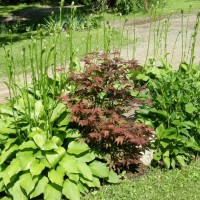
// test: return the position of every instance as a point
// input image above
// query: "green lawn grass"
(155, 185)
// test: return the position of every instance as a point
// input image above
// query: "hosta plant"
(41, 157)
(101, 95)
(174, 113)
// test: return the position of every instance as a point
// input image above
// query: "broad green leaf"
(39, 189)
(87, 156)
(73, 133)
(52, 192)
(56, 156)
(25, 158)
(64, 120)
(70, 190)
(5, 130)
(40, 139)
(28, 145)
(164, 144)
(12, 169)
(113, 177)
(7, 153)
(74, 177)
(142, 77)
(58, 110)
(159, 131)
(56, 176)
(38, 110)
(57, 140)
(50, 145)
(83, 188)
(99, 169)
(16, 192)
(27, 183)
(167, 161)
(173, 163)
(181, 160)
(77, 147)
(36, 167)
(84, 170)
(190, 108)
(9, 143)
(69, 163)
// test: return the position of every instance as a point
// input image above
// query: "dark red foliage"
(102, 94)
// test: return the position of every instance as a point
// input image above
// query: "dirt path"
(142, 35)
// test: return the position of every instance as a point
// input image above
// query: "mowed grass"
(155, 185)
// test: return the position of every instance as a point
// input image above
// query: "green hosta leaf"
(99, 169)
(74, 177)
(113, 177)
(160, 112)
(70, 190)
(7, 153)
(56, 176)
(5, 130)
(36, 167)
(84, 170)
(9, 142)
(28, 145)
(16, 192)
(64, 120)
(94, 183)
(83, 188)
(27, 183)
(38, 110)
(190, 108)
(50, 145)
(69, 163)
(39, 189)
(86, 156)
(25, 158)
(72, 133)
(55, 157)
(12, 169)
(173, 163)
(57, 140)
(52, 192)
(40, 139)
(58, 111)
(77, 147)
(181, 160)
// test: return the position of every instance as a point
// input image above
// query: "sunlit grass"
(155, 185)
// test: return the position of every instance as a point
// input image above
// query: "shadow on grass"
(5, 39)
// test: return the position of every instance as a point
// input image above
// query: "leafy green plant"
(174, 114)
(40, 162)
(101, 94)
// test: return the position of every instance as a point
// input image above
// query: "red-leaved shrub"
(102, 95)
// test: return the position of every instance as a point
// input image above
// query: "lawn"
(157, 184)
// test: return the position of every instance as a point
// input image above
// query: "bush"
(175, 114)
(101, 95)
